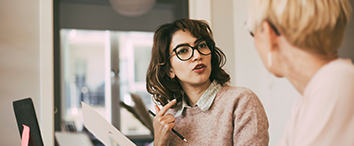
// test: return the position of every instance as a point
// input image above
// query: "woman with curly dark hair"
(185, 76)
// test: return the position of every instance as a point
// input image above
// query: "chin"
(276, 74)
(200, 82)
(279, 76)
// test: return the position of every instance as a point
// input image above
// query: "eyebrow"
(186, 44)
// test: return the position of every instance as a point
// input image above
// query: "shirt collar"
(205, 101)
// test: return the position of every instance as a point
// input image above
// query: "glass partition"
(88, 76)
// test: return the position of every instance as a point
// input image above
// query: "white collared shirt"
(205, 101)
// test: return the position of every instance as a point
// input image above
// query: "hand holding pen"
(163, 124)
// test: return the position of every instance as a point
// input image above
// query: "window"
(91, 65)
(89, 75)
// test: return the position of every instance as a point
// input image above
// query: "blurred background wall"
(26, 65)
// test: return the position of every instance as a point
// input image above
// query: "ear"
(172, 74)
(269, 34)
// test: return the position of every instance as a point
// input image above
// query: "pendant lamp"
(132, 8)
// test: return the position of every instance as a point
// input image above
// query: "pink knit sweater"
(236, 117)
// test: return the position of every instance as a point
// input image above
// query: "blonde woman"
(299, 39)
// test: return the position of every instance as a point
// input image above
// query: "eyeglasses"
(185, 52)
(272, 26)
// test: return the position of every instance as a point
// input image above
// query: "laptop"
(102, 129)
(26, 117)
(73, 139)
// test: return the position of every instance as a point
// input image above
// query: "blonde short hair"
(316, 26)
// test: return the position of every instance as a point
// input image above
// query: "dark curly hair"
(158, 81)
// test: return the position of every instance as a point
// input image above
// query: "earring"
(269, 59)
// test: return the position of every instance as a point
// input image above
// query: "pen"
(173, 130)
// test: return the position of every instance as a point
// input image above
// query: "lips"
(199, 67)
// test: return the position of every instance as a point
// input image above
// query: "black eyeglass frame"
(193, 48)
(272, 26)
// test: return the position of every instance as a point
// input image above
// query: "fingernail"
(174, 100)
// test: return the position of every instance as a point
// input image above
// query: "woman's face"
(196, 70)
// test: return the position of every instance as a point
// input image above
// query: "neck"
(300, 66)
(194, 92)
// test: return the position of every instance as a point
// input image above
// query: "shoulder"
(333, 87)
(338, 69)
(237, 95)
(345, 75)
(247, 110)
(236, 91)
(335, 77)
(346, 69)
(243, 103)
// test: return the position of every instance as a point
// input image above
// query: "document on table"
(102, 129)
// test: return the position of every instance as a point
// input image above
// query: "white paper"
(102, 129)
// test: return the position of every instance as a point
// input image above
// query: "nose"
(196, 55)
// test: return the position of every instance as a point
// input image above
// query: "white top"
(324, 115)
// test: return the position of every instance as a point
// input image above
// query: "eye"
(182, 50)
(202, 45)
